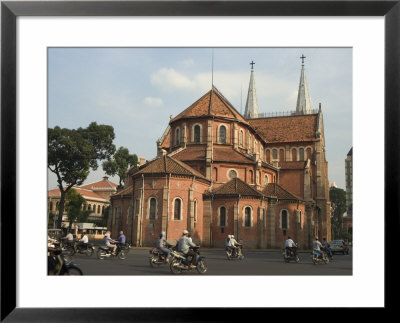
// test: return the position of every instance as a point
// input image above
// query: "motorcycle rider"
(83, 241)
(162, 245)
(290, 246)
(228, 243)
(327, 247)
(110, 243)
(184, 244)
(69, 239)
(234, 245)
(122, 238)
(317, 247)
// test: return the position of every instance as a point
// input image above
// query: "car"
(339, 246)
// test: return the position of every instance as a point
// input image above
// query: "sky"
(136, 90)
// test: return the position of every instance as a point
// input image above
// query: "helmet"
(185, 231)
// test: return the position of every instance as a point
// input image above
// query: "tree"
(74, 206)
(119, 164)
(71, 154)
(337, 197)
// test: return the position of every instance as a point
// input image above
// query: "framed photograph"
(32, 32)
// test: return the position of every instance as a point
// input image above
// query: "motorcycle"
(320, 258)
(77, 248)
(234, 255)
(180, 262)
(105, 252)
(290, 255)
(63, 267)
(157, 257)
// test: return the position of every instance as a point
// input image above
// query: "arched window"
(281, 155)
(294, 154)
(177, 209)
(152, 208)
(51, 206)
(196, 133)
(222, 134)
(98, 209)
(102, 210)
(247, 216)
(241, 138)
(301, 154)
(89, 207)
(177, 136)
(284, 219)
(274, 153)
(268, 156)
(266, 179)
(251, 177)
(222, 216)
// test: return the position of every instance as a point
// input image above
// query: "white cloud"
(153, 102)
(187, 62)
(168, 79)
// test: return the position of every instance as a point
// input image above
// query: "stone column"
(209, 150)
(164, 212)
(190, 216)
(207, 223)
(271, 223)
(236, 221)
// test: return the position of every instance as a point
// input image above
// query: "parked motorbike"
(180, 262)
(320, 258)
(63, 267)
(104, 252)
(157, 257)
(290, 255)
(78, 248)
(235, 255)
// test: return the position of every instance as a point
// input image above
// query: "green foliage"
(71, 154)
(347, 235)
(75, 202)
(119, 164)
(337, 197)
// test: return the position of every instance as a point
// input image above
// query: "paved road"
(256, 262)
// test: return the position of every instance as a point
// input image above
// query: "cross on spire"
(302, 59)
(252, 63)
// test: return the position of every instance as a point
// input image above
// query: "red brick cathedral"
(217, 172)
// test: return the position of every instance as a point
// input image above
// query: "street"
(256, 262)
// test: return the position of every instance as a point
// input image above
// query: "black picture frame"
(10, 10)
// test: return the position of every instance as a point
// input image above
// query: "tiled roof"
(192, 152)
(125, 191)
(236, 186)
(228, 154)
(87, 194)
(219, 107)
(166, 164)
(220, 153)
(292, 164)
(273, 189)
(286, 129)
(165, 140)
(103, 184)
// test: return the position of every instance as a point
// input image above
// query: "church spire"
(251, 110)
(303, 98)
